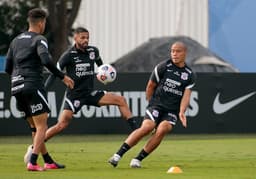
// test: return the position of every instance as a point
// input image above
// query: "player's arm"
(150, 89)
(60, 66)
(9, 62)
(155, 78)
(185, 101)
(98, 59)
(183, 106)
(42, 51)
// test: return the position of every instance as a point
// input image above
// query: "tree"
(62, 14)
(12, 21)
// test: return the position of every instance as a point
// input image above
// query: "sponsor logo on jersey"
(82, 69)
(17, 87)
(77, 59)
(173, 82)
(176, 73)
(24, 36)
(17, 78)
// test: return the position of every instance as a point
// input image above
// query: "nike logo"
(220, 108)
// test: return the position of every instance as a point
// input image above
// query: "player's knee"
(161, 133)
(145, 130)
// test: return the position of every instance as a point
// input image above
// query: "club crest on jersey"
(92, 55)
(184, 76)
(76, 103)
(155, 113)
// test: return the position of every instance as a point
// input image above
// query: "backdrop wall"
(220, 103)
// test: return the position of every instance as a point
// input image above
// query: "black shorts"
(32, 103)
(157, 115)
(75, 103)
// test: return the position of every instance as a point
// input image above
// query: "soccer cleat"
(135, 163)
(114, 160)
(53, 166)
(36, 167)
(28, 154)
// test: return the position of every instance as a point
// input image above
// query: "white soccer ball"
(106, 74)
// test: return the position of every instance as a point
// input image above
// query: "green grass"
(199, 156)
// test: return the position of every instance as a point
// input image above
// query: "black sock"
(47, 158)
(142, 155)
(33, 158)
(123, 149)
(133, 123)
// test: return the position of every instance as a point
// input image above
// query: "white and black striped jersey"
(79, 65)
(25, 60)
(171, 84)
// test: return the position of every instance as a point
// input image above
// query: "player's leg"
(49, 162)
(63, 122)
(146, 127)
(163, 128)
(40, 122)
(120, 101)
(154, 141)
(25, 103)
(114, 99)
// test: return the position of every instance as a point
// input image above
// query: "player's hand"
(68, 82)
(183, 119)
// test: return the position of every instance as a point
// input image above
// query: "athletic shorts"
(75, 103)
(32, 103)
(157, 115)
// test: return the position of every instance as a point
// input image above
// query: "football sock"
(142, 155)
(133, 123)
(123, 149)
(47, 158)
(33, 158)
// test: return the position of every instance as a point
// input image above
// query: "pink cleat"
(53, 166)
(36, 167)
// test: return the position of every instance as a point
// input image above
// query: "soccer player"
(168, 92)
(26, 58)
(79, 62)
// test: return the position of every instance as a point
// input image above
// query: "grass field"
(199, 156)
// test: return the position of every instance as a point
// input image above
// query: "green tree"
(12, 21)
(62, 13)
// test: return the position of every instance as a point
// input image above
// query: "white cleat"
(28, 154)
(135, 163)
(114, 160)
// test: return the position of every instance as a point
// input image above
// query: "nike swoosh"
(220, 108)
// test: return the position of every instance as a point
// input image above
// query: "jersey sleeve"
(158, 72)
(191, 83)
(43, 53)
(98, 59)
(63, 61)
(61, 64)
(42, 45)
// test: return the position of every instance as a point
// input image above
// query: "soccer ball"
(106, 74)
